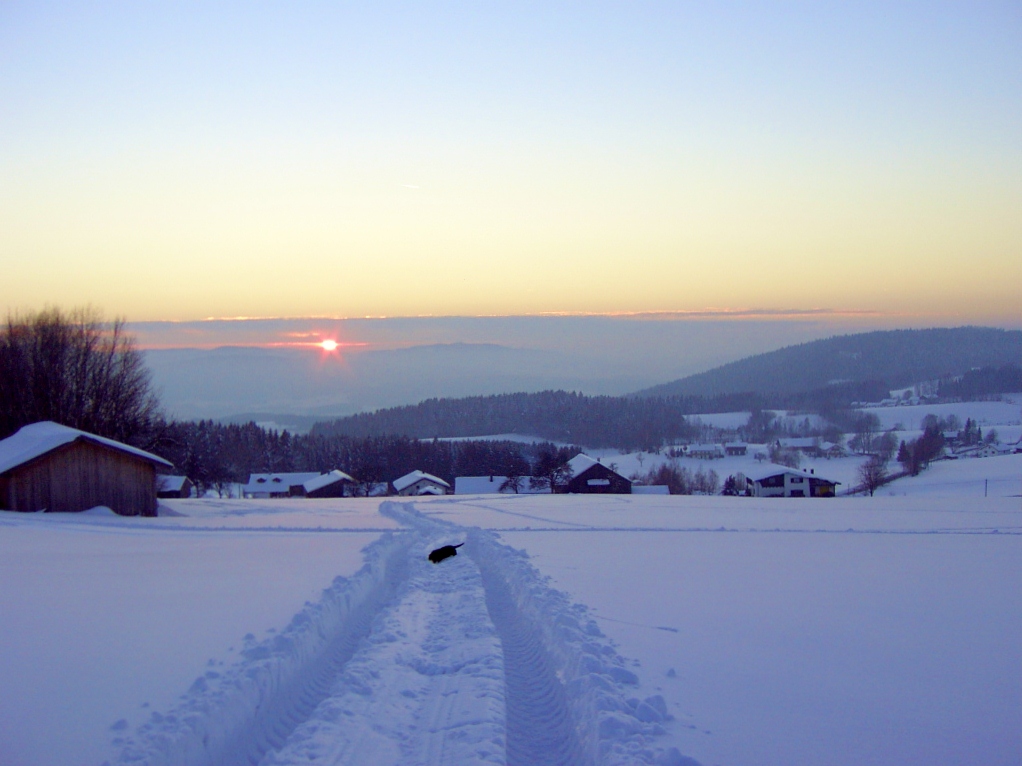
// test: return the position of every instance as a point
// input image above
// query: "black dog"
(445, 552)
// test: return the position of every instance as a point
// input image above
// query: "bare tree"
(512, 483)
(77, 370)
(872, 474)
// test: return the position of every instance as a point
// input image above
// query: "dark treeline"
(985, 381)
(595, 421)
(215, 454)
(77, 370)
(627, 423)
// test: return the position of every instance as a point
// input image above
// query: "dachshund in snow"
(444, 552)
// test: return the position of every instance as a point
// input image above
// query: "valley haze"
(225, 368)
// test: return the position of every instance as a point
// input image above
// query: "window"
(796, 479)
(598, 482)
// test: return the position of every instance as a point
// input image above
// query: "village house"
(781, 481)
(736, 449)
(331, 484)
(704, 451)
(420, 483)
(173, 486)
(49, 467)
(590, 476)
(264, 485)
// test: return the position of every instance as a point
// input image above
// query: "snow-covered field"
(570, 629)
(910, 418)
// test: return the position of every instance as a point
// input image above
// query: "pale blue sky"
(180, 161)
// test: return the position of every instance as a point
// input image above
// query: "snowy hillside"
(732, 630)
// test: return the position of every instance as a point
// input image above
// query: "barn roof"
(37, 439)
(410, 478)
(326, 480)
(170, 483)
(581, 462)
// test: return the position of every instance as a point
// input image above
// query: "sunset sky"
(180, 161)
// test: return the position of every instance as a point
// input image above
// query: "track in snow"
(473, 660)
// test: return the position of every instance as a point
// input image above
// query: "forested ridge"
(891, 358)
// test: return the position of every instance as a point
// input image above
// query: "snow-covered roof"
(704, 448)
(410, 478)
(37, 439)
(170, 483)
(772, 469)
(326, 480)
(581, 462)
(798, 442)
(277, 482)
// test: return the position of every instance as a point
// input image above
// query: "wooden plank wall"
(80, 476)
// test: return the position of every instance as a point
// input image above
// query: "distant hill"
(886, 359)
(822, 376)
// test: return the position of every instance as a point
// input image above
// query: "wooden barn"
(331, 484)
(589, 476)
(49, 467)
(173, 486)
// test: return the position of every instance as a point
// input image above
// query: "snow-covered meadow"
(571, 629)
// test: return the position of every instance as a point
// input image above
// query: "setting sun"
(329, 345)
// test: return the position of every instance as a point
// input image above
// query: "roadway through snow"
(471, 661)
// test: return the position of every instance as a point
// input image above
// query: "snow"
(107, 618)
(569, 629)
(490, 485)
(410, 478)
(325, 480)
(263, 484)
(986, 414)
(35, 440)
(166, 483)
(999, 476)
(581, 462)
(839, 631)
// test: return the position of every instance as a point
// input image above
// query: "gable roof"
(410, 478)
(35, 440)
(274, 483)
(580, 463)
(772, 469)
(326, 480)
(166, 483)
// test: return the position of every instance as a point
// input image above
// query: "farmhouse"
(781, 481)
(589, 476)
(277, 484)
(704, 451)
(736, 449)
(173, 486)
(331, 484)
(49, 467)
(420, 483)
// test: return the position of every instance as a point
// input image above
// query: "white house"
(781, 481)
(420, 483)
